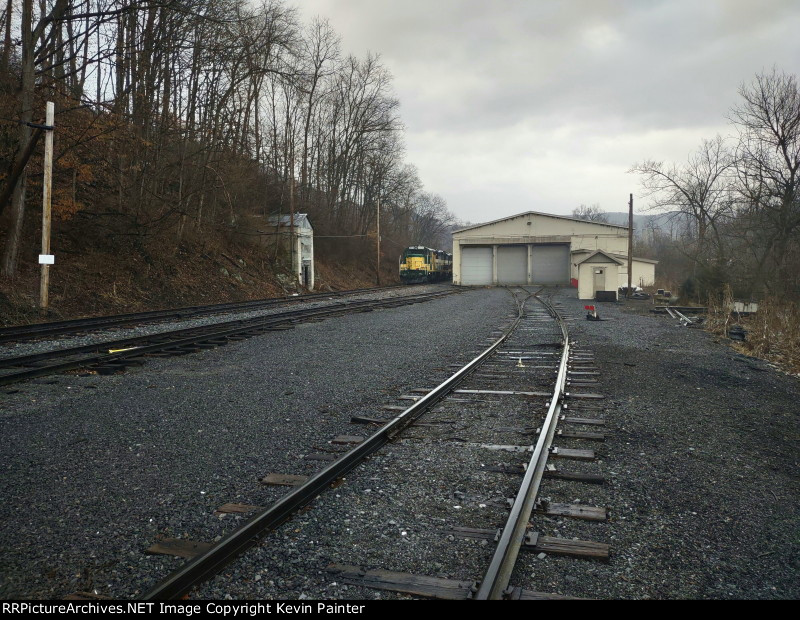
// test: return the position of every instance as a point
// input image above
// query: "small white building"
(597, 271)
(644, 269)
(539, 248)
(301, 247)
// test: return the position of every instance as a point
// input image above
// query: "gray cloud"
(546, 104)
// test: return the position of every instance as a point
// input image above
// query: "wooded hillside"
(181, 125)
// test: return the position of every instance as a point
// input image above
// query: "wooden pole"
(46, 192)
(630, 246)
(291, 220)
(378, 239)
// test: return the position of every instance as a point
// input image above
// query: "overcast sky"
(516, 105)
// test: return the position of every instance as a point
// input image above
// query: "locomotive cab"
(420, 264)
(415, 264)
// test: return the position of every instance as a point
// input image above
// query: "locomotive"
(421, 264)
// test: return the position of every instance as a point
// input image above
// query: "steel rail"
(202, 329)
(495, 582)
(35, 330)
(228, 548)
(142, 345)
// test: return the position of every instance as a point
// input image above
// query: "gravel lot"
(96, 468)
(66, 341)
(701, 468)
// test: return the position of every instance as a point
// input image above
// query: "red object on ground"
(589, 308)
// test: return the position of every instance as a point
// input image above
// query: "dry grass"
(773, 333)
(100, 282)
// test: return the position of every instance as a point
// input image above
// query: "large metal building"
(539, 248)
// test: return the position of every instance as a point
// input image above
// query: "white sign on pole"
(47, 259)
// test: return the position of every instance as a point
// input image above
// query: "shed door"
(476, 265)
(512, 264)
(550, 264)
(599, 278)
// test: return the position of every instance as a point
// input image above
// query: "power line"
(338, 236)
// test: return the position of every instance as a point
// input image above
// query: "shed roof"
(599, 254)
(616, 255)
(560, 217)
(300, 220)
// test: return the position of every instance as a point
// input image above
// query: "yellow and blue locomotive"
(421, 264)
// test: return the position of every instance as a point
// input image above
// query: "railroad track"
(108, 357)
(527, 355)
(36, 331)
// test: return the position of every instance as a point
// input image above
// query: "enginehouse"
(540, 248)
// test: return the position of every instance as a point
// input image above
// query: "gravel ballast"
(101, 335)
(702, 468)
(700, 462)
(97, 468)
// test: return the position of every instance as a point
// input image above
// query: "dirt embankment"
(134, 279)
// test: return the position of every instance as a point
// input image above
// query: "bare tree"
(768, 168)
(700, 190)
(320, 52)
(31, 36)
(201, 111)
(592, 214)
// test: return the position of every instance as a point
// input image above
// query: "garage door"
(476, 265)
(550, 264)
(512, 264)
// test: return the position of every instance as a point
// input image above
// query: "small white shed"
(598, 272)
(644, 269)
(301, 247)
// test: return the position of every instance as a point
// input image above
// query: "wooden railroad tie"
(537, 543)
(585, 549)
(584, 396)
(522, 430)
(284, 480)
(573, 476)
(233, 508)
(570, 453)
(420, 585)
(573, 511)
(574, 435)
(588, 421)
(505, 393)
(179, 547)
(550, 473)
(347, 439)
(357, 419)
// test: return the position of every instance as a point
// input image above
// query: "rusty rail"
(494, 585)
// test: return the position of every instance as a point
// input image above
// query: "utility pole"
(378, 240)
(630, 246)
(291, 217)
(46, 259)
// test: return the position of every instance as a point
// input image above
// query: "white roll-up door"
(476, 265)
(512, 264)
(550, 264)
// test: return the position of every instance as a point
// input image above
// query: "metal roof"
(600, 252)
(300, 220)
(560, 217)
(617, 255)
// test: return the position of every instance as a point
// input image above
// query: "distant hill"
(670, 223)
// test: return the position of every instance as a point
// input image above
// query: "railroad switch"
(591, 313)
